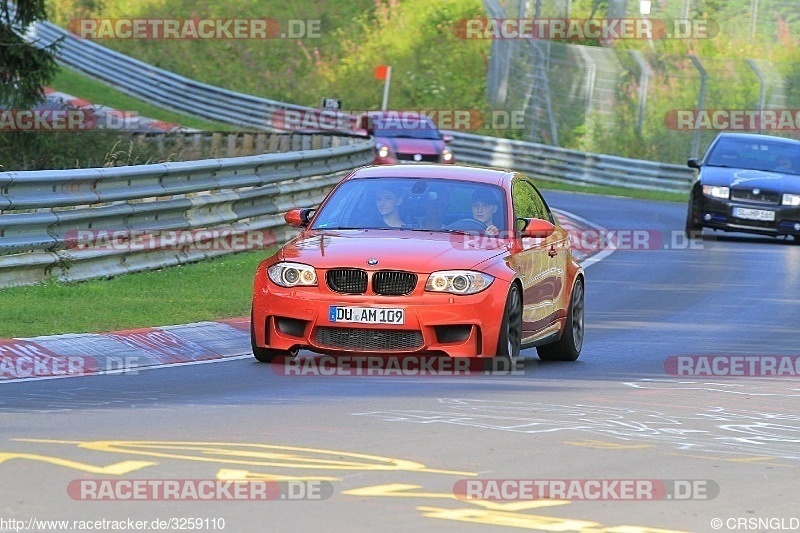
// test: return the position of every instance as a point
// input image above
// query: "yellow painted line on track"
(255, 455)
(116, 469)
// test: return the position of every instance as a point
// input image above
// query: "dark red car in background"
(405, 137)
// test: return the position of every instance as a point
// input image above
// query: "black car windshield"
(769, 156)
(413, 204)
(409, 127)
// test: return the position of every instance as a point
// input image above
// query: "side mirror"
(537, 228)
(448, 138)
(299, 218)
(693, 163)
(365, 124)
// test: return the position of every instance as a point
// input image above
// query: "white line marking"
(596, 258)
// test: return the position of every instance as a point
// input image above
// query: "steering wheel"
(467, 224)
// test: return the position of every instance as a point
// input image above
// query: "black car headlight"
(458, 281)
(716, 191)
(792, 200)
(383, 150)
(292, 274)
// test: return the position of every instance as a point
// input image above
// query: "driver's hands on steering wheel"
(492, 230)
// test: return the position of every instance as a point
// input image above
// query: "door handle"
(552, 252)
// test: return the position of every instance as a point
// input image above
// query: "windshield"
(756, 155)
(413, 203)
(405, 127)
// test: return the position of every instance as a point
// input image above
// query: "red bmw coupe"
(423, 259)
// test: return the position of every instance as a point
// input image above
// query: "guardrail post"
(644, 80)
(762, 94)
(701, 100)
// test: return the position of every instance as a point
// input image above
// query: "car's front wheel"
(568, 347)
(510, 341)
(266, 355)
(692, 228)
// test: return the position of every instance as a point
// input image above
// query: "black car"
(747, 183)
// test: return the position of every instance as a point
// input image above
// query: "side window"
(527, 201)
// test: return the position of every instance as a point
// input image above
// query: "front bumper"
(458, 326)
(717, 213)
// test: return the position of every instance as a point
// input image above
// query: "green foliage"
(23, 150)
(24, 68)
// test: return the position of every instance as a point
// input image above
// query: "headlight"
(791, 199)
(458, 281)
(383, 150)
(447, 155)
(292, 274)
(717, 192)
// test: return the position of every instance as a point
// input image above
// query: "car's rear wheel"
(266, 355)
(510, 341)
(568, 347)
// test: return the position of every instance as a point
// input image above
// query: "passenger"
(388, 202)
(784, 164)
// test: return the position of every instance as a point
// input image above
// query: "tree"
(25, 67)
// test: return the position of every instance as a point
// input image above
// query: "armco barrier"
(40, 211)
(157, 85)
(570, 166)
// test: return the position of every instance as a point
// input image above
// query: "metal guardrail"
(44, 213)
(156, 85)
(190, 145)
(551, 163)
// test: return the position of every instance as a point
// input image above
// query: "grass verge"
(613, 191)
(213, 289)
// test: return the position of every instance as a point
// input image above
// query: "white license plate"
(754, 214)
(366, 315)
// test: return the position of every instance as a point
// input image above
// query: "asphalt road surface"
(388, 453)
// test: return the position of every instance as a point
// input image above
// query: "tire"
(693, 229)
(509, 343)
(267, 355)
(568, 347)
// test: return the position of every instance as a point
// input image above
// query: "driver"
(484, 207)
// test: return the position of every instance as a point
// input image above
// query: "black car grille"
(347, 280)
(765, 197)
(425, 158)
(393, 283)
(384, 282)
(380, 340)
